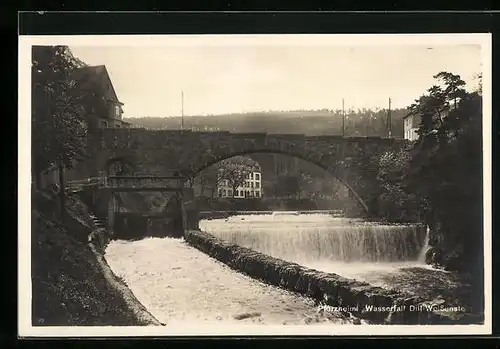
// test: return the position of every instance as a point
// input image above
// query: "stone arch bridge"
(160, 152)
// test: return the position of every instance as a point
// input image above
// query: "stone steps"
(99, 223)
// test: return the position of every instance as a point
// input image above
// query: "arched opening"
(119, 166)
(237, 178)
(193, 173)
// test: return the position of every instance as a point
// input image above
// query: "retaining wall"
(97, 241)
(391, 307)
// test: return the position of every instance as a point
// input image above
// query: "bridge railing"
(77, 185)
(126, 182)
(143, 182)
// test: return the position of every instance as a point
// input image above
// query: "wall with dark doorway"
(130, 226)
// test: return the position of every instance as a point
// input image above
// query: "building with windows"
(106, 112)
(106, 109)
(250, 188)
(410, 124)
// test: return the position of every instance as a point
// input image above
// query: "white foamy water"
(348, 247)
(179, 284)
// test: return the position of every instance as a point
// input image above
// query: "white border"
(25, 329)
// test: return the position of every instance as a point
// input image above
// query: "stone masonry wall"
(163, 152)
(328, 288)
(154, 150)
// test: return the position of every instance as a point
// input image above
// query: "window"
(230, 192)
(118, 125)
(257, 176)
(251, 184)
(104, 124)
(257, 194)
(257, 184)
(220, 193)
(117, 111)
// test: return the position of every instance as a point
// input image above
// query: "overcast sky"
(240, 78)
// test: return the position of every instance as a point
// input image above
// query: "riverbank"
(69, 284)
(454, 289)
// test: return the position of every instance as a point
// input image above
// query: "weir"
(314, 238)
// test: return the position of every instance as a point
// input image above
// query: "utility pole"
(343, 118)
(182, 110)
(389, 122)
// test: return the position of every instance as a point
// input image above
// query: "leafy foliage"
(235, 170)
(396, 202)
(440, 176)
(59, 128)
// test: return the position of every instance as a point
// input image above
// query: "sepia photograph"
(220, 185)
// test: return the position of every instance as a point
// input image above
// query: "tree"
(438, 108)
(58, 126)
(479, 88)
(395, 201)
(235, 170)
(446, 168)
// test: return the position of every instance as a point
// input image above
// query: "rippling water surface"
(179, 284)
(352, 248)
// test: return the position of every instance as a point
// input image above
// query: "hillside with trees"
(361, 122)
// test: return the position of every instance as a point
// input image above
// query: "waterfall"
(425, 248)
(316, 237)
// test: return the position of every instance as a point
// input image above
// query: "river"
(179, 284)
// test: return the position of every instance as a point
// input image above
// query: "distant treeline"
(361, 122)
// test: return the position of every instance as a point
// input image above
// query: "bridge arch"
(189, 174)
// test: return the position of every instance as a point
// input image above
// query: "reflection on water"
(349, 247)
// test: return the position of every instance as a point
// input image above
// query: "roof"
(100, 75)
(407, 115)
